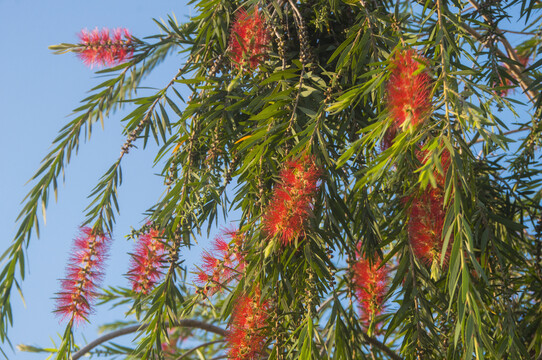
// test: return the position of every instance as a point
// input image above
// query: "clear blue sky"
(38, 90)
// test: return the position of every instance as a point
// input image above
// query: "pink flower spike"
(83, 274)
(370, 283)
(145, 266)
(224, 265)
(102, 49)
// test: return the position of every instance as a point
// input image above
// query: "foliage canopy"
(387, 189)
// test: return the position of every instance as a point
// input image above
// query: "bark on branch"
(139, 327)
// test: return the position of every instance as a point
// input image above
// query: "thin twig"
(516, 72)
(523, 81)
(381, 346)
(140, 327)
(504, 134)
(519, 32)
(198, 347)
(371, 340)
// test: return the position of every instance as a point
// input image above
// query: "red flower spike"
(371, 284)
(292, 201)
(100, 48)
(83, 274)
(223, 266)
(203, 277)
(249, 40)
(145, 265)
(209, 261)
(246, 333)
(238, 254)
(427, 216)
(221, 246)
(408, 91)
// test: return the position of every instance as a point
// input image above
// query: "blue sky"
(38, 91)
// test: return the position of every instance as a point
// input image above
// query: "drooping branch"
(381, 346)
(189, 323)
(209, 343)
(100, 208)
(517, 73)
(505, 134)
(523, 81)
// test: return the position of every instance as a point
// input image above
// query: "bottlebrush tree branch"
(199, 347)
(108, 96)
(242, 130)
(165, 298)
(523, 80)
(381, 346)
(186, 155)
(52, 166)
(516, 71)
(188, 323)
(100, 209)
(443, 49)
(505, 134)
(102, 213)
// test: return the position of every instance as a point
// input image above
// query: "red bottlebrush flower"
(292, 201)
(238, 254)
(224, 265)
(146, 262)
(427, 216)
(249, 39)
(83, 274)
(99, 47)
(246, 333)
(408, 90)
(371, 284)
